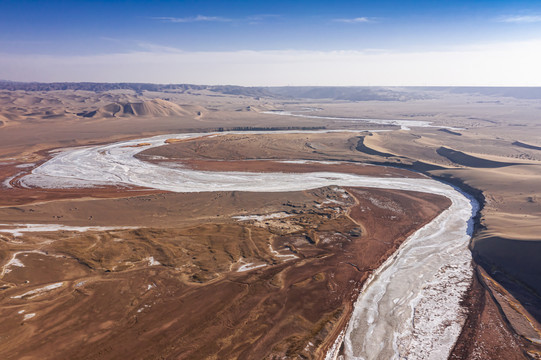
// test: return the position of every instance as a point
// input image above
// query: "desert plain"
(117, 270)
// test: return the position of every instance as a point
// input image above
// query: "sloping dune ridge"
(155, 107)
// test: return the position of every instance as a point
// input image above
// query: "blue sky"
(37, 37)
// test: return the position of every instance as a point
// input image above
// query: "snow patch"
(278, 215)
(20, 229)
(285, 257)
(152, 261)
(250, 266)
(39, 291)
(29, 316)
(310, 162)
(16, 262)
(385, 204)
(22, 166)
(332, 353)
(330, 201)
(13, 262)
(7, 182)
(143, 308)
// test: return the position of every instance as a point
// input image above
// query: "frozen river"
(410, 308)
(404, 124)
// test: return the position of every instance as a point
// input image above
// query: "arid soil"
(161, 291)
(165, 290)
(277, 166)
(485, 335)
(512, 263)
(259, 288)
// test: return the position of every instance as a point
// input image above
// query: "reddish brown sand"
(113, 304)
(486, 333)
(135, 310)
(287, 308)
(275, 166)
(294, 308)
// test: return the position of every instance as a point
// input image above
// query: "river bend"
(409, 308)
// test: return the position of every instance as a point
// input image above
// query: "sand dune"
(461, 158)
(450, 132)
(527, 146)
(155, 107)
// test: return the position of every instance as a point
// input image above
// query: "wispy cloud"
(197, 18)
(522, 19)
(253, 19)
(356, 20)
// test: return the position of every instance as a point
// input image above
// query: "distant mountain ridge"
(91, 86)
(138, 87)
(346, 93)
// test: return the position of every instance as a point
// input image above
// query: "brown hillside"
(155, 107)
